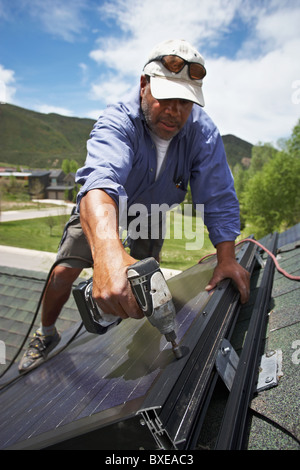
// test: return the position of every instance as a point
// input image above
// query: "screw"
(268, 380)
(270, 353)
(225, 351)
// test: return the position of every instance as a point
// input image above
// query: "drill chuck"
(153, 297)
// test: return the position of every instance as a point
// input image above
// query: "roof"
(277, 416)
(20, 291)
(59, 187)
(39, 174)
(274, 417)
(17, 174)
(104, 387)
(56, 172)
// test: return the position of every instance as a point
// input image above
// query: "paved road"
(7, 216)
(26, 259)
(40, 260)
(31, 259)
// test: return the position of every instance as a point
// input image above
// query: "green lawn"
(186, 242)
(34, 234)
(40, 234)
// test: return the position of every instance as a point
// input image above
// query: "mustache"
(169, 121)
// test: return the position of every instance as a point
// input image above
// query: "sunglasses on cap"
(175, 64)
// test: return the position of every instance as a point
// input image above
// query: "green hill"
(237, 150)
(41, 140)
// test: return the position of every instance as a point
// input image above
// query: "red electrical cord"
(279, 269)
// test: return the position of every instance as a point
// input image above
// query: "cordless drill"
(153, 297)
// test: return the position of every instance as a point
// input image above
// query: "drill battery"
(90, 313)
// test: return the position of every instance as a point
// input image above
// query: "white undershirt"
(161, 148)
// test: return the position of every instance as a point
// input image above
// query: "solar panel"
(98, 376)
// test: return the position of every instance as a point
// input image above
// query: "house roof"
(273, 418)
(56, 173)
(276, 421)
(59, 187)
(39, 173)
(102, 383)
(20, 290)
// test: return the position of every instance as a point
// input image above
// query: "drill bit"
(171, 338)
(176, 350)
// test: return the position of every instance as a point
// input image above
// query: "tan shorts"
(74, 250)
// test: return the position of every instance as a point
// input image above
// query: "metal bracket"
(226, 363)
(151, 418)
(269, 370)
(259, 259)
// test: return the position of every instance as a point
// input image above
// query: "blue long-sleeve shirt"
(121, 159)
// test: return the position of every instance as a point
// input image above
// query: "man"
(144, 151)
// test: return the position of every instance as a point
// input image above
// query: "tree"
(69, 166)
(293, 144)
(51, 222)
(240, 176)
(271, 200)
(261, 154)
(37, 189)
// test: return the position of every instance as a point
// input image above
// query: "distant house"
(37, 184)
(61, 185)
(46, 184)
(4, 169)
(57, 177)
(21, 175)
(69, 179)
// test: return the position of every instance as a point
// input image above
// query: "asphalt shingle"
(20, 291)
(279, 409)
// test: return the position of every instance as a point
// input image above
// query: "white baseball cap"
(185, 82)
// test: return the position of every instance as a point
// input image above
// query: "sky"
(73, 57)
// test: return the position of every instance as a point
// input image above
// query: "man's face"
(164, 117)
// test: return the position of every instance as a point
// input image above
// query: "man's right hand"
(111, 288)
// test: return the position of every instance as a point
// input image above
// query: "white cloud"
(7, 90)
(93, 114)
(112, 89)
(84, 73)
(61, 19)
(144, 24)
(249, 95)
(280, 26)
(253, 98)
(46, 109)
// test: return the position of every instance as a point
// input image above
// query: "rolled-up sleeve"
(212, 184)
(109, 157)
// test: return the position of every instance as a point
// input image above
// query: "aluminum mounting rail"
(232, 431)
(175, 407)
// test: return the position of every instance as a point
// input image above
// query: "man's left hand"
(228, 267)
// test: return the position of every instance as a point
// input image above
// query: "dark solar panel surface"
(99, 375)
